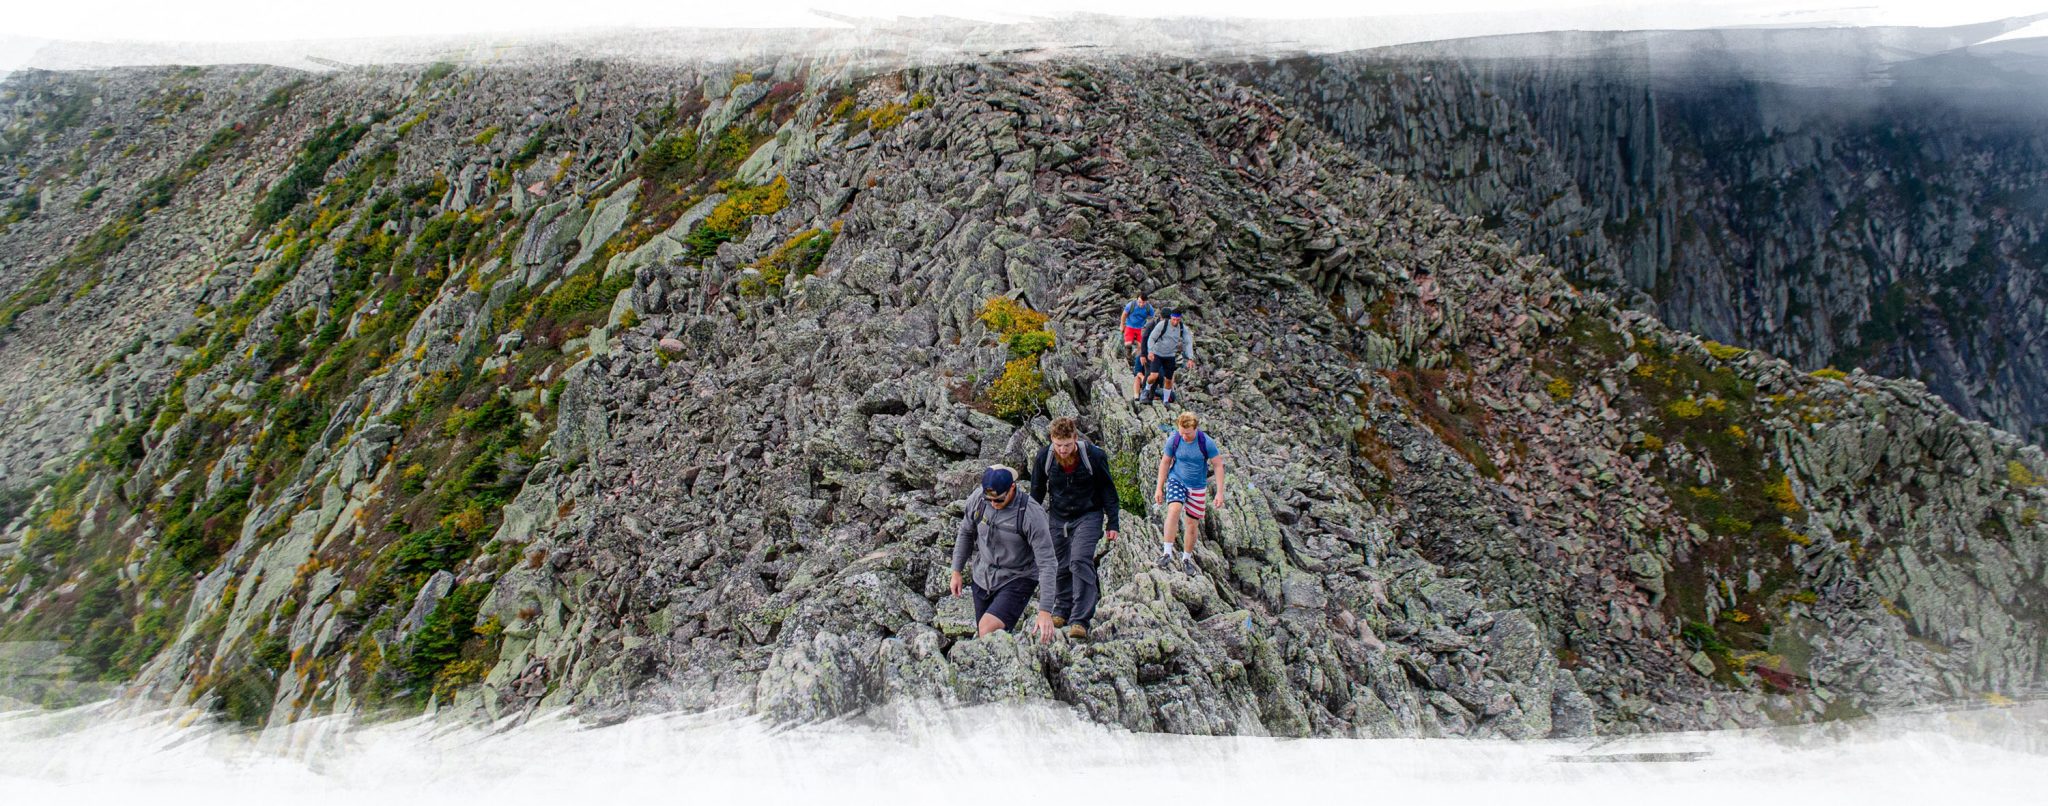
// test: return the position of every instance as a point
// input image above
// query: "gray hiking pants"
(1074, 544)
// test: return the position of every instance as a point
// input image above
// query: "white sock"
(1186, 556)
(1166, 549)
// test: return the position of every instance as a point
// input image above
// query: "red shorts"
(1131, 335)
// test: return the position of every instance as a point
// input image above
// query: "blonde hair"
(1187, 420)
(1065, 428)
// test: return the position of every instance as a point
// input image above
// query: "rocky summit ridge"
(629, 388)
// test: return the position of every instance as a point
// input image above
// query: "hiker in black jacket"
(1071, 478)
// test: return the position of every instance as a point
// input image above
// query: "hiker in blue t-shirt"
(1137, 313)
(1184, 487)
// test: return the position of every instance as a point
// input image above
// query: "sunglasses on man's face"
(994, 496)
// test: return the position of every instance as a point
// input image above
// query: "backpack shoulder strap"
(1173, 443)
(1085, 464)
(1202, 439)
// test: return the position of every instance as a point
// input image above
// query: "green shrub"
(307, 172)
(886, 116)
(668, 156)
(407, 127)
(426, 551)
(194, 540)
(1704, 637)
(583, 292)
(2019, 475)
(439, 642)
(1029, 344)
(732, 147)
(1127, 470)
(1007, 318)
(733, 218)
(1724, 352)
(1560, 389)
(1020, 391)
(795, 258)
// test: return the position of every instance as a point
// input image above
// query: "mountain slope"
(630, 388)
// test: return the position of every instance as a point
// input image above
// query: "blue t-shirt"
(1190, 462)
(1136, 315)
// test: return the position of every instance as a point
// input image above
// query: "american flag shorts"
(1192, 501)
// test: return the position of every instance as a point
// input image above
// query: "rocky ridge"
(632, 388)
(1896, 227)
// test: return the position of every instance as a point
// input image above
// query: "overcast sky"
(85, 34)
(261, 20)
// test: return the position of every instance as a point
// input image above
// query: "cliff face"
(626, 388)
(1830, 219)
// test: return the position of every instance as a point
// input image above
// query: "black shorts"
(1165, 366)
(1006, 602)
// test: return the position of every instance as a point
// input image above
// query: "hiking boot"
(1188, 564)
(1058, 622)
(1077, 632)
(1166, 561)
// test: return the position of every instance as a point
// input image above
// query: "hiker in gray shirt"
(1007, 537)
(1169, 348)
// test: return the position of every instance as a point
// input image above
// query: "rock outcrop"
(1835, 198)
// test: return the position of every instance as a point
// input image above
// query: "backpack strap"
(1201, 440)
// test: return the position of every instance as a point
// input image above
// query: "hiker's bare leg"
(1173, 515)
(989, 623)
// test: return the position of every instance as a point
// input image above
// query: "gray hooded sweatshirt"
(1006, 544)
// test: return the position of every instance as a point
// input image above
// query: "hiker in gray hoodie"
(1169, 348)
(1007, 537)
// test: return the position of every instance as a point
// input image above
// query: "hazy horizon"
(114, 33)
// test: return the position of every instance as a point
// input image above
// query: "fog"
(1018, 753)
